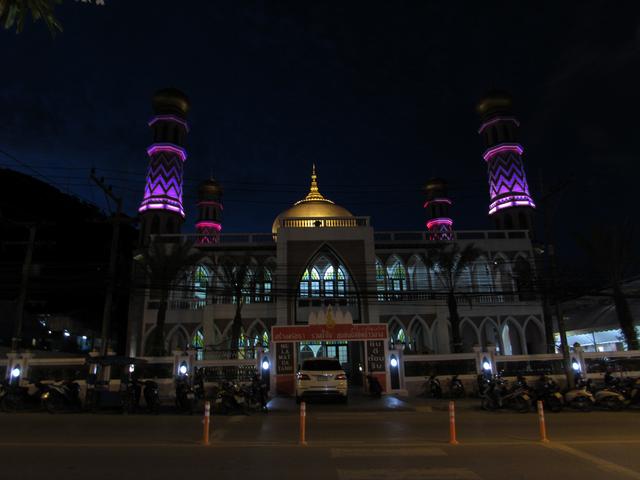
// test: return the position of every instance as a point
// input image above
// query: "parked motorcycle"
(230, 399)
(15, 397)
(432, 387)
(580, 398)
(130, 392)
(606, 397)
(456, 388)
(151, 395)
(548, 392)
(185, 396)
(61, 397)
(498, 395)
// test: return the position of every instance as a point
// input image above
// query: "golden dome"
(314, 205)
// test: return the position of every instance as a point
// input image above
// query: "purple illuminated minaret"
(161, 210)
(437, 204)
(511, 205)
(209, 222)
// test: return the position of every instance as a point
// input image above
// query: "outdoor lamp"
(183, 369)
(486, 365)
(15, 371)
(265, 364)
(132, 368)
(576, 366)
(394, 362)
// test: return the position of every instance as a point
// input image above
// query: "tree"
(163, 263)
(449, 263)
(14, 12)
(612, 251)
(238, 277)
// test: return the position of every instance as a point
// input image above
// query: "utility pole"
(113, 258)
(552, 271)
(24, 284)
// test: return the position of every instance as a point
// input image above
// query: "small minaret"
(511, 205)
(161, 210)
(437, 204)
(209, 222)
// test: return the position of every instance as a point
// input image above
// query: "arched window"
(397, 276)
(197, 342)
(310, 283)
(200, 282)
(262, 286)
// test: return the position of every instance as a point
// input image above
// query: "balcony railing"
(324, 222)
(425, 236)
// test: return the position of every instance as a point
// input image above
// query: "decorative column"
(437, 204)
(209, 222)
(161, 210)
(511, 205)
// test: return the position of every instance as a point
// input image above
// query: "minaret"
(161, 209)
(511, 205)
(437, 204)
(209, 222)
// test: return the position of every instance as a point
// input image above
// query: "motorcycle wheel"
(53, 405)
(9, 404)
(614, 404)
(521, 405)
(583, 404)
(487, 404)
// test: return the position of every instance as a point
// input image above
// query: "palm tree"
(449, 263)
(234, 273)
(238, 277)
(613, 252)
(14, 12)
(163, 263)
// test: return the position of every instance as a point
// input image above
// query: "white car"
(321, 377)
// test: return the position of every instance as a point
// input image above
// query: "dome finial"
(314, 192)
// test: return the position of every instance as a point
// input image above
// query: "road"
(343, 444)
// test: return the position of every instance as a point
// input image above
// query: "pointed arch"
(482, 280)
(512, 336)
(534, 336)
(417, 274)
(419, 335)
(469, 334)
(396, 276)
(178, 338)
(490, 333)
(397, 333)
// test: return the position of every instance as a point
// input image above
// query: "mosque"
(323, 270)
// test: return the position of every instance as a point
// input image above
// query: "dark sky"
(380, 94)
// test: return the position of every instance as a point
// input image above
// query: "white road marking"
(386, 452)
(408, 474)
(601, 463)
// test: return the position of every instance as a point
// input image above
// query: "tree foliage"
(613, 252)
(449, 262)
(163, 263)
(13, 13)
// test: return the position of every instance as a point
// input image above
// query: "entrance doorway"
(348, 353)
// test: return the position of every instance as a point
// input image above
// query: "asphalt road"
(343, 443)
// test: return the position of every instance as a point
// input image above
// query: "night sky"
(380, 95)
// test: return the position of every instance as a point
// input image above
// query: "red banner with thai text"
(310, 333)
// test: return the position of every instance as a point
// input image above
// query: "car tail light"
(341, 376)
(303, 376)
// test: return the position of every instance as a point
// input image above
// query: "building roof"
(314, 205)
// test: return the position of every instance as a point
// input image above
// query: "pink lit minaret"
(161, 209)
(209, 222)
(437, 204)
(511, 205)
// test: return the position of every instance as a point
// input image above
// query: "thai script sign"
(284, 358)
(305, 333)
(375, 356)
